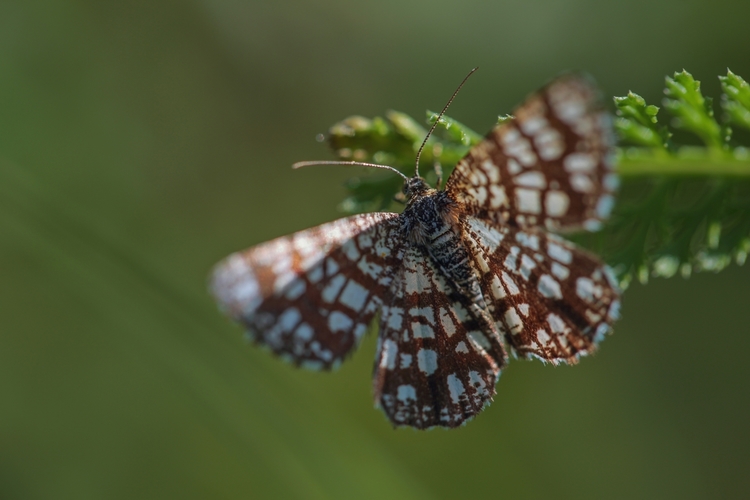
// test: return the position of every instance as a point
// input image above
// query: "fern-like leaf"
(680, 209)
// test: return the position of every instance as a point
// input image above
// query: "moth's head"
(415, 186)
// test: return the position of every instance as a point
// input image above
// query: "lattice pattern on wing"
(551, 166)
(434, 366)
(553, 300)
(311, 296)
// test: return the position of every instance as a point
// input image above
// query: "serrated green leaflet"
(637, 122)
(691, 110)
(736, 100)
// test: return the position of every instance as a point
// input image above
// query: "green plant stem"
(687, 162)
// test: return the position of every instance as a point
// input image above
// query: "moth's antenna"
(301, 164)
(419, 153)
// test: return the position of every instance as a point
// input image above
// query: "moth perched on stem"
(458, 278)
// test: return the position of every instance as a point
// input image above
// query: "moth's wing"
(311, 296)
(552, 300)
(434, 366)
(550, 166)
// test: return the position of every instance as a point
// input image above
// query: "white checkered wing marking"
(551, 166)
(552, 300)
(311, 296)
(434, 366)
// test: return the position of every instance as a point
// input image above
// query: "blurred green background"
(142, 141)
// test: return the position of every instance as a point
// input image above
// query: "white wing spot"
(498, 196)
(584, 126)
(549, 287)
(604, 206)
(517, 146)
(601, 331)
(614, 310)
(395, 317)
(289, 319)
(493, 173)
(609, 274)
(542, 337)
(510, 284)
(479, 339)
(351, 251)
(295, 290)
(427, 361)
(461, 347)
(354, 296)
(510, 136)
(388, 357)
(556, 203)
(513, 166)
(579, 163)
(592, 225)
(528, 240)
(581, 183)
(405, 360)
(560, 271)
(569, 109)
(514, 321)
(592, 317)
(550, 144)
(527, 201)
(556, 324)
(488, 236)
(477, 177)
(421, 331)
(510, 260)
(559, 253)
(332, 267)
(304, 332)
(480, 193)
(531, 179)
(585, 289)
(339, 322)
(483, 266)
(369, 268)
(455, 388)
(406, 393)
(527, 158)
(497, 288)
(364, 240)
(476, 380)
(527, 265)
(447, 321)
(315, 274)
(534, 124)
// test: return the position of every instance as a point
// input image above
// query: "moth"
(460, 278)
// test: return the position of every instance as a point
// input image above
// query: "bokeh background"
(142, 141)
